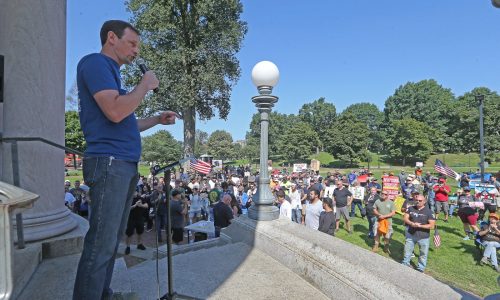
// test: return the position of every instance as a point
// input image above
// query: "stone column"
(33, 41)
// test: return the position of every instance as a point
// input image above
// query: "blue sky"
(346, 51)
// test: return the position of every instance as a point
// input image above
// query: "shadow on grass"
(396, 247)
(471, 249)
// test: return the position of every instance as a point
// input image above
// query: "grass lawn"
(455, 262)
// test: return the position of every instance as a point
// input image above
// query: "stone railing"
(12, 200)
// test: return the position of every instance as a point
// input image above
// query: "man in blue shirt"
(112, 133)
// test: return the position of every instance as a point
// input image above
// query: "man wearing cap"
(383, 209)
(178, 210)
(490, 237)
(374, 183)
(431, 202)
(410, 202)
(419, 221)
(408, 188)
(467, 214)
(442, 190)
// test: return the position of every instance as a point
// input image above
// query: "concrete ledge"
(26, 262)
(68, 243)
(335, 267)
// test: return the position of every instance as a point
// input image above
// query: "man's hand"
(168, 117)
(150, 81)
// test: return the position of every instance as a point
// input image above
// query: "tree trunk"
(404, 161)
(189, 117)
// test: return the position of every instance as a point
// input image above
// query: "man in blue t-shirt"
(111, 131)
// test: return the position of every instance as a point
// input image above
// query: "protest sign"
(390, 184)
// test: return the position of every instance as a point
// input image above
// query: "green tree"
(299, 142)
(200, 145)
(72, 98)
(161, 148)
(425, 101)
(465, 122)
(73, 134)
(347, 138)
(369, 114)
(220, 144)
(192, 47)
(320, 114)
(279, 124)
(409, 139)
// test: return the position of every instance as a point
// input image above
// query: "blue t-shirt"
(97, 72)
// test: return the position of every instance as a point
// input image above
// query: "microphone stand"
(171, 295)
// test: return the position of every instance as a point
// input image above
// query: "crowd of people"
(313, 201)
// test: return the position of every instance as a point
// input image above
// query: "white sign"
(419, 164)
(217, 165)
(297, 168)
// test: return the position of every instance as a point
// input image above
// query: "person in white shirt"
(313, 210)
(295, 196)
(195, 202)
(211, 182)
(285, 207)
(358, 194)
(329, 188)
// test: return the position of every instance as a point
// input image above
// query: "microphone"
(144, 69)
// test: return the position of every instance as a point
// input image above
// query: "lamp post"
(265, 76)
(480, 100)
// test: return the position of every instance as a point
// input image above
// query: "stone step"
(232, 271)
(55, 278)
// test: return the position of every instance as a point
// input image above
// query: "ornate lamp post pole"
(480, 102)
(265, 76)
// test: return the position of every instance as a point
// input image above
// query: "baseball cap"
(467, 188)
(494, 216)
(176, 192)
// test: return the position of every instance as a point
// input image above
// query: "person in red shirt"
(442, 191)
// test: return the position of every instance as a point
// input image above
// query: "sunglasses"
(384, 194)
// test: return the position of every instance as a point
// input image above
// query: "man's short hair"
(328, 201)
(117, 26)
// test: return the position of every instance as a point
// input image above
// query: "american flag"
(200, 166)
(437, 238)
(440, 167)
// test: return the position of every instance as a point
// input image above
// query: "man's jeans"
(112, 183)
(490, 251)
(371, 222)
(297, 215)
(161, 223)
(423, 245)
(359, 204)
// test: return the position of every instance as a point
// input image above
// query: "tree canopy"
(192, 47)
(220, 144)
(161, 148)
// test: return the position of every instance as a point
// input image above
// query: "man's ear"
(111, 37)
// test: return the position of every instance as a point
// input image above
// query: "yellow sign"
(398, 203)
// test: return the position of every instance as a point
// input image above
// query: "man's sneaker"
(446, 220)
(375, 248)
(466, 238)
(412, 255)
(386, 249)
(127, 250)
(483, 261)
(141, 247)
(149, 229)
(497, 269)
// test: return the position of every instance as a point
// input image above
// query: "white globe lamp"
(265, 73)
